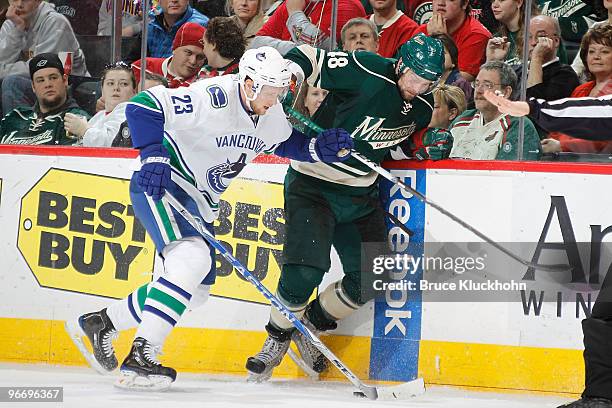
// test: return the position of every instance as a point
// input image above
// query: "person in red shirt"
(224, 44)
(307, 22)
(452, 17)
(394, 27)
(182, 68)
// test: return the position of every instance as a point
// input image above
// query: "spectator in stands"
(248, 14)
(131, 18)
(224, 44)
(452, 17)
(82, 14)
(511, 16)
(596, 53)
(449, 103)
(451, 75)
(34, 27)
(485, 133)
(359, 34)
(421, 10)
(309, 99)
(394, 27)
(306, 22)
(548, 78)
(118, 86)
(186, 61)
(578, 65)
(123, 138)
(165, 23)
(44, 122)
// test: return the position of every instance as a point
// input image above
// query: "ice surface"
(85, 388)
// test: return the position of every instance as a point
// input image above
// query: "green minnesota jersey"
(364, 100)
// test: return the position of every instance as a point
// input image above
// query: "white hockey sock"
(127, 313)
(187, 262)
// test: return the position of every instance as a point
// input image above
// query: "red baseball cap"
(189, 34)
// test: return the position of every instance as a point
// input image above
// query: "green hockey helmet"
(424, 56)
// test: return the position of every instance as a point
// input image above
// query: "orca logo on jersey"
(221, 175)
(78, 232)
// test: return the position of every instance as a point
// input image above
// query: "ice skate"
(261, 365)
(99, 330)
(311, 356)
(142, 371)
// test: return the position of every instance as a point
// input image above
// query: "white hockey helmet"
(264, 66)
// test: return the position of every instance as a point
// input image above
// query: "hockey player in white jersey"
(193, 142)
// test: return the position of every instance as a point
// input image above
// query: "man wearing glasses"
(485, 133)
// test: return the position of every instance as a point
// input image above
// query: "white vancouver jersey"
(211, 136)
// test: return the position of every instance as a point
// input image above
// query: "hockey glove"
(434, 144)
(327, 146)
(154, 175)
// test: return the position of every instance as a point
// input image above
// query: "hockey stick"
(395, 180)
(409, 389)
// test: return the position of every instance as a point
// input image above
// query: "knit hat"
(189, 34)
(45, 60)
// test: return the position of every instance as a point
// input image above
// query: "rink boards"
(71, 244)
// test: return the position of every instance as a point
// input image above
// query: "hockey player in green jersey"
(382, 103)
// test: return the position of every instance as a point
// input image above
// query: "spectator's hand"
(551, 146)
(543, 49)
(75, 124)
(513, 108)
(437, 24)
(295, 5)
(100, 104)
(154, 175)
(12, 15)
(332, 145)
(497, 49)
(435, 144)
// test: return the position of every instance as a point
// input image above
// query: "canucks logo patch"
(218, 98)
(221, 175)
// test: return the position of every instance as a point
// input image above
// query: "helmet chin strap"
(248, 99)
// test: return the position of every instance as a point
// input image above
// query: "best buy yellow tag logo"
(78, 232)
(251, 225)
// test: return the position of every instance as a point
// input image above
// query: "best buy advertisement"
(78, 232)
(251, 226)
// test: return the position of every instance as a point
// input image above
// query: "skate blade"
(299, 361)
(76, 334)
(255, 378)
(129, 380)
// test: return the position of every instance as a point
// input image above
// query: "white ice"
(85, 388)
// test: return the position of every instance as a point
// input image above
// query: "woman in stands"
(511, 17)
(118, 86)
(596, 55)
(451, 75)
(249, 16)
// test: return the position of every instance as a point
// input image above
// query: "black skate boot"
(99, 330)
(142, 371)
(311, 355)
(261, 365)
(589, 402)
